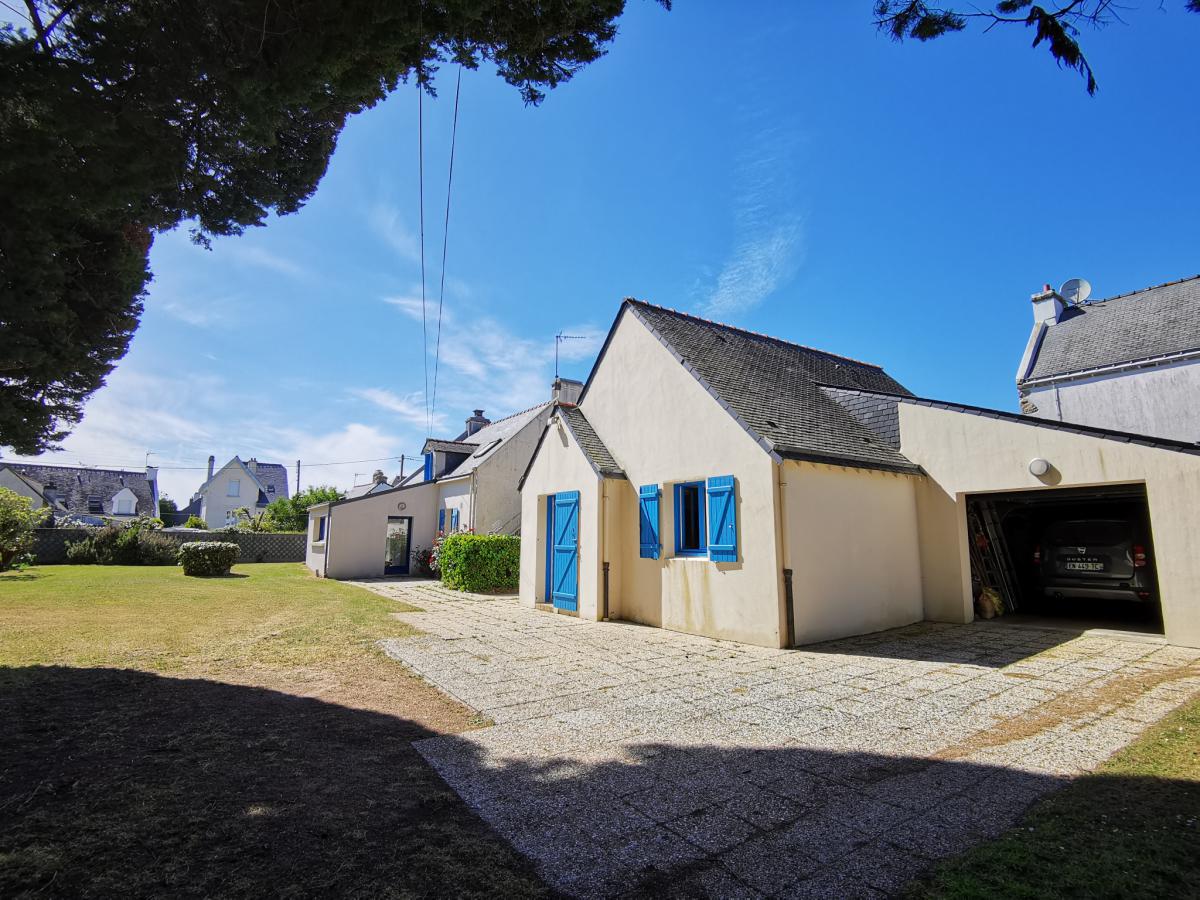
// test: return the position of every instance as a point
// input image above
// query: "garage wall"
(964, 453)
(357, 531)
(561, 466)
(852, 545)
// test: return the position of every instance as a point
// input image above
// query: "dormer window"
(270, 488)
(95, 506)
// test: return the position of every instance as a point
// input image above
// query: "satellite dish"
(1076, 291)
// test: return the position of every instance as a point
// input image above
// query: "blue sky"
(790, 172)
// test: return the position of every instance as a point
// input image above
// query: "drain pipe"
(791, 610)
(605, 615)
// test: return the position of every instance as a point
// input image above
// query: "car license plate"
(1074, 565)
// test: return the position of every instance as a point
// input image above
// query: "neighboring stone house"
(467, 483)
(238, 484)
(725, 483)
(83, 492)
(1130, 362)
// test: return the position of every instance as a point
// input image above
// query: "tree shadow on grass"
(123, 783)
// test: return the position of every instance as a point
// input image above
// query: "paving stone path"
(627, 759)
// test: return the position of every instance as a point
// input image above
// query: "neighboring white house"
(725, 483)
(84, 492)
(468, 483)
(1131, 363)
(237, 485)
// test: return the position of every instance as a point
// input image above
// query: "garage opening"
(1078, 557)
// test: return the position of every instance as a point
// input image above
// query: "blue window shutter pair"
(722, 519)
(442, 519)
(648, 505)
(454, 520)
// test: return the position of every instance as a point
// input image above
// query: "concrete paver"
(632, 759)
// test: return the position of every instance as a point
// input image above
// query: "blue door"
(566, 551)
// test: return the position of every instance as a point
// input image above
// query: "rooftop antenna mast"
(558, 339)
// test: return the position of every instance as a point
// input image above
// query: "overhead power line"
(421, 219)
(437, 353)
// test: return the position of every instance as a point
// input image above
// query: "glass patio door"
(395, 559)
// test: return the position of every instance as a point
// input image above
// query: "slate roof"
(1156, 321)
(73, 485)
(593, 448)
(436, 444)
(500, 430)
(270, 474)
(771, 387)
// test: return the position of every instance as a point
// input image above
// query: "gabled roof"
(1153, 322)
(593, 448)
(489, 439)
(73, 485)
(263, 477)
(770, 387)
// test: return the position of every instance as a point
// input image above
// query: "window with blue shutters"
(690, 534)
(722, 519)
(442, 519)
(454, 520)
(648, 506)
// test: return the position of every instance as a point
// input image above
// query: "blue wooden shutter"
(429, 467)
(442, 519)
(454, 520)
(566, 550)
(648, 506)
(722, 519)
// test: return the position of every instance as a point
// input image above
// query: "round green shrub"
(480, 563)
(156, 549)
(208, 557)
(195, 522)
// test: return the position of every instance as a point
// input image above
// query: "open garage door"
(1079, 556)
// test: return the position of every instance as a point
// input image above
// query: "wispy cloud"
(409, 408)
(261, 258)
(768, 231)
(389, 227)
(485, 364)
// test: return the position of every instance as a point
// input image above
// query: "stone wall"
(50, 544)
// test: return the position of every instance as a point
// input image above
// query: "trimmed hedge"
(208, 557)
(480, 562)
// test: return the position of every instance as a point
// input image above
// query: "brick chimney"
(476, 422)
(1047, 306)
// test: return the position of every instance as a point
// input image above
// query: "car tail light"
(1143, 595)
(1037, 556)
(1139, 556)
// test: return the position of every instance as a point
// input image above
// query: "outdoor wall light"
(1038, 467)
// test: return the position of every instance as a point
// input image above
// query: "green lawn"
(224, 737)
(1130, 830)
(158, 619)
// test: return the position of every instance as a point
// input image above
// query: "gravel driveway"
(627, 758)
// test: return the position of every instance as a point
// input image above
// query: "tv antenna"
(558, 339)
(1076, 291)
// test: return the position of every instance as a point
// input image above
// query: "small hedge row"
(208, 557)
(480, 562)
(115, 545)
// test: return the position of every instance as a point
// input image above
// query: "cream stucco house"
(468, 483)
(725, 483)
(239, 484)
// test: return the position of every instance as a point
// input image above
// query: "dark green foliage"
(480, 562)
(167, 507)
(208, 558)
(123, 120)
(116, 545)
(291, 513)
(1057, 27)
